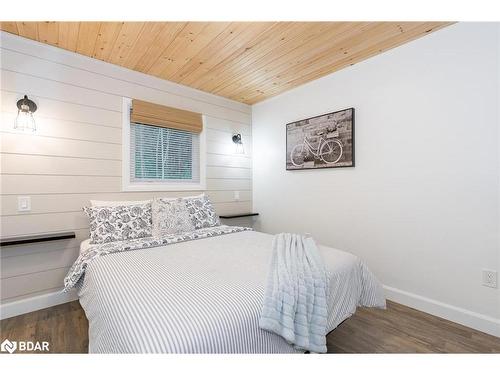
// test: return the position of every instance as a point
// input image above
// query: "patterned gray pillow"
(170, 216)
(109, 224)
(202, 212)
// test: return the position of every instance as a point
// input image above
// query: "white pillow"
(117, 203)
(174, 198)
(95, 203)
(119, 223)
(171, 216)
(84, 245)
(202, 212)
(194, 196)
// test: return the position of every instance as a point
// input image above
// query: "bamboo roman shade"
(165, 117)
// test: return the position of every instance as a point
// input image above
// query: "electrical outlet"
(23, 204)
(490, 278)
(236, 195)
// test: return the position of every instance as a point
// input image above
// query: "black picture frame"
(335, 142)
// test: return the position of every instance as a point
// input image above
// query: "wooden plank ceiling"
(244, 61)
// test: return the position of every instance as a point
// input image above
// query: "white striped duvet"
(203, 296)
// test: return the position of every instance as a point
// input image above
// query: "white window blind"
(159, 154)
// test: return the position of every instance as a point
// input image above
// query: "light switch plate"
(23, 204)
(236, 195)
(490, 278)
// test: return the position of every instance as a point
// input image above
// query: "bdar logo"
(8, 346)
(24, 346)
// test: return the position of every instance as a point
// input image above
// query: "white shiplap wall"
(75, 156)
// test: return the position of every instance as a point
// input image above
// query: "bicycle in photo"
(329, 150)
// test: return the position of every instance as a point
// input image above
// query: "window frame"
(128, 185)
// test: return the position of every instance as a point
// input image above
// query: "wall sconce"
(24, 119)
(238, 143)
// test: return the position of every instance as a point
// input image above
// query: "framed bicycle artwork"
(325, 141)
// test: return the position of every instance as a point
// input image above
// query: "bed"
(202, 294)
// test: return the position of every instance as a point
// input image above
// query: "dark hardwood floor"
(65, 327)
(399, 329)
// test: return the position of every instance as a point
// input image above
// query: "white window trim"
(128, 185)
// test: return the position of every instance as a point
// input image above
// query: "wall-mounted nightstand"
(21, 240)
(242, 220)
(238, 215)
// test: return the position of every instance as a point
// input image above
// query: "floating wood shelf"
(238, 215)
(20, 240)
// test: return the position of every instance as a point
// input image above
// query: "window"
(163, 154)
(161, 157)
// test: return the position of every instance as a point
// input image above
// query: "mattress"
(203, 296)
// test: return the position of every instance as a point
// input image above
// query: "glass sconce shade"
(238, 143)
(24, 120)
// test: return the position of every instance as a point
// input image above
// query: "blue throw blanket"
(295, 302)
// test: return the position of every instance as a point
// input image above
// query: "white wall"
(75, 156)
(421, 207)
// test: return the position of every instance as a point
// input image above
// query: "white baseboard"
(483, 323)
(23, 306)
